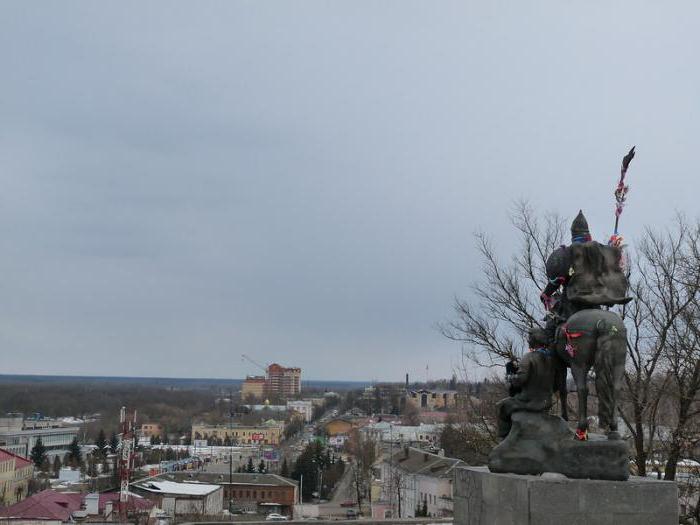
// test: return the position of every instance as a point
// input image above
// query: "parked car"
(276, 517)
(351, 514)
(348, 503)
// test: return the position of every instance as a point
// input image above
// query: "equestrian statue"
(585, 281)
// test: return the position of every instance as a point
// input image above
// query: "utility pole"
(391, 463)
(230, 450)
(126, 462)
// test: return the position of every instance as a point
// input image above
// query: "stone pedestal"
(482, 497)
(540, 443)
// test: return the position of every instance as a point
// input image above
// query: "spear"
(622, 188)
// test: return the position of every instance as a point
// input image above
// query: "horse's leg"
(560, 373)
(609, 370)
(580, 375)
(561, 388)
(618, 375)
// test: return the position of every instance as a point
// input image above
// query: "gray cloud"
(299, 181)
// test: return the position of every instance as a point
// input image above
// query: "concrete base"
(486, 498)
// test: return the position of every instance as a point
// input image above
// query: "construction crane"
(126, 460)
(250, 360)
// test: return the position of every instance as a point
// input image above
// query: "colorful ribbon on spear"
(621, 196)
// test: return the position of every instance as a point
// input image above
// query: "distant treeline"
(173, 382)
(174, 408)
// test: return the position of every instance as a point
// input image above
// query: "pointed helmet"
(579, 229)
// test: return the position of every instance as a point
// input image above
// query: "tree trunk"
(640, 457)
(672, 461)
(398, 490)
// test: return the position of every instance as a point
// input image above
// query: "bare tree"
(663, 323)
(364, 451)
(664, 286)
(506, 304)
(396, 486)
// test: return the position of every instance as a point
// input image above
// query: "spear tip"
(628, 158)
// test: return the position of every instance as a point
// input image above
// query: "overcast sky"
(299, 181)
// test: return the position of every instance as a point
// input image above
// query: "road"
(344, 491)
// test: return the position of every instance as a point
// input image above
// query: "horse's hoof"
(614, 435)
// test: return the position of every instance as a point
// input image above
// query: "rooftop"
(417, 461)
(41, 431)
(161, 486)
(59, 506)
(436, 391)
(238, 426)
(222, 478)
(20, 462)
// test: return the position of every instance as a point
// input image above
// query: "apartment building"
(254, 386)
(283, 381)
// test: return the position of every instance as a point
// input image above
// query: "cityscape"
(270, 448)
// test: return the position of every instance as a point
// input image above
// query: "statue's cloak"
(592, 272)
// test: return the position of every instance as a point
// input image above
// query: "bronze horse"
(593, 339)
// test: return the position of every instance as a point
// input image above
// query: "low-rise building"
(266, 407)
(240, 456)
(50, 507)
(269, 433)
(338, 441)
(15, 473)
(19, 438)
(303, 407)
(340, 425)
(260, 493)
(152, 429)
(387, 432)
(181, 499)
(420, 480)
(432, 399)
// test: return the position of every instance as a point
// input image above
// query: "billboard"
(271, 455)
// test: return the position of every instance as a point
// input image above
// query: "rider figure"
(559, 271)
(583, 275)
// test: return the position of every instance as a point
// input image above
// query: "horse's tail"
(609, 366)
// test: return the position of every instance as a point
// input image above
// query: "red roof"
(52, 505)
(45, 505)
(19, 460)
